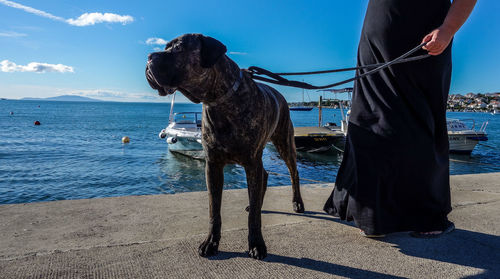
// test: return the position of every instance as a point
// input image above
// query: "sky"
(98, 49)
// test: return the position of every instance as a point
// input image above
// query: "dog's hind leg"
(255, 178)
(285, 144)
(215, 179)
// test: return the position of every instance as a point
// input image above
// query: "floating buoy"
(125, 139)
(11, 113)
(37, 122)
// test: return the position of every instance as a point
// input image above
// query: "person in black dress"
(394, 174)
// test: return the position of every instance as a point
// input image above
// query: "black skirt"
(395, 171)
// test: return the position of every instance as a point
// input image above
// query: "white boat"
(344, 112)
(463, 139)
(183, 133)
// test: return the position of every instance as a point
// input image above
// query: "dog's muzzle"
(162, 90)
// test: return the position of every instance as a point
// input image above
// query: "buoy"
(11, 113)
(125, 139)
(37, 122)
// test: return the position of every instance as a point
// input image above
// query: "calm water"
(77, 152)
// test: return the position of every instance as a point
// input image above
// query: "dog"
(239, 117)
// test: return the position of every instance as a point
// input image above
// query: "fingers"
(435, 47)
(436, 43)
(426, 39)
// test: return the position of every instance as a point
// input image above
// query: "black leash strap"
(276, 78)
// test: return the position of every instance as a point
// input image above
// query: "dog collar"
(229, 92)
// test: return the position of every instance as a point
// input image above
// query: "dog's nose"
(153, 56)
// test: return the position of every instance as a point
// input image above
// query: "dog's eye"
(176, 48)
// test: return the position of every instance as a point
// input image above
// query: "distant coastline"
(64, 98)
(470, 102)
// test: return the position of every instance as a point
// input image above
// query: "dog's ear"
(170, 43)
(211, 51)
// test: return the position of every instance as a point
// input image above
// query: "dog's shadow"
(307, 263)
(461, 247)
(313, 215)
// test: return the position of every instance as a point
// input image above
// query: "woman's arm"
(439, 39)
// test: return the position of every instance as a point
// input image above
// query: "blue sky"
(99, 48)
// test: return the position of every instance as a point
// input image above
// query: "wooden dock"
(318, 139)
(315, 131)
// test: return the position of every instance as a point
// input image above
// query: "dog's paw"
(298, 207)
(208, 248)
(258, 252)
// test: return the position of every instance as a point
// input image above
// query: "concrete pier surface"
(158, 236)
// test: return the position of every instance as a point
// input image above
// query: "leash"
(276, 78)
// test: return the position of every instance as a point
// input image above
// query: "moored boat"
(301, 108)
(464, 139)
(183, 133)
(318, 139)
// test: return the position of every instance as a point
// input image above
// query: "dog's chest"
(235, 132)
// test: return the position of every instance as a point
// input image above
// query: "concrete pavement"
(157, 237)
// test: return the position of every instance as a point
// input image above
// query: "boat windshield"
(457, 125)
(188, 118)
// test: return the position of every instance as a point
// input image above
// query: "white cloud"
(98, 93)
(156, 41)
(11, 34)
(237, 53)
(31, 10)
(34, 67)
(85, 19)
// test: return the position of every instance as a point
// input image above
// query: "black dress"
(395, 171)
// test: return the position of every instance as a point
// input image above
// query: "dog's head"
(185, 63)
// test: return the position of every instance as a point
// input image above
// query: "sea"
(77, 152)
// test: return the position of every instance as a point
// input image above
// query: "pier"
(158, 236)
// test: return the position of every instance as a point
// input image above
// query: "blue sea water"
(77, 152)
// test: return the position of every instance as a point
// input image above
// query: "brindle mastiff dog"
(239, 117)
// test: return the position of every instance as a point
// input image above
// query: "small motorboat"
(183, 133)
(301, 108)
(464, 139)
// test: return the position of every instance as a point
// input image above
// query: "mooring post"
(320, 111)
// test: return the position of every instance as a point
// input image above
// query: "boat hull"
(301, 108)
(464, 144)
(317, 144)
(318, 139)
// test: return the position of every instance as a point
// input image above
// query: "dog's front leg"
(214, 174)
(255, 180)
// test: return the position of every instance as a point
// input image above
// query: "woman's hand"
(437, 41)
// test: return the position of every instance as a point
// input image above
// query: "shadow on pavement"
(312, 215)
(315, 265)
(461, 247)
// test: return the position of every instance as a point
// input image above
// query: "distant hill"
(67, 98)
